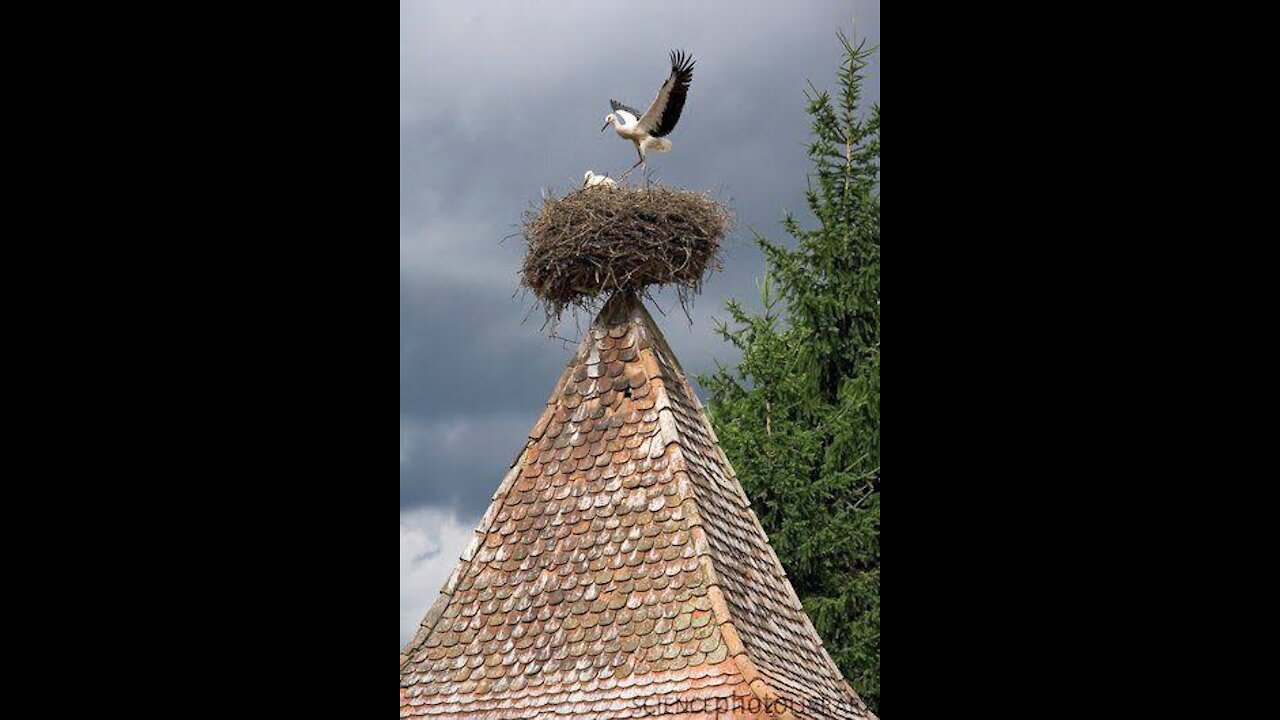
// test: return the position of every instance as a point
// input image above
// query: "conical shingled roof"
(620, 572)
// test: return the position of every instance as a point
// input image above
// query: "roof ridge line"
(436, 613)
(791, 591)
(705, 494)
(670, 431)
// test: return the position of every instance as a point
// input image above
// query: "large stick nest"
(603, 239)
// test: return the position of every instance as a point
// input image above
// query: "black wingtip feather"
(681, 62)
(681, 77)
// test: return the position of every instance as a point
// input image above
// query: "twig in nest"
(602, 239)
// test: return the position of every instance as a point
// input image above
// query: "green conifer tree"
(799, 416)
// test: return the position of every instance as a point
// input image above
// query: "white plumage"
(591, 179)
(647, 130)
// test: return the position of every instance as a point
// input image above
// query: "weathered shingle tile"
(620, 569)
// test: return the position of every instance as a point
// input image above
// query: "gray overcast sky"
(499, 99)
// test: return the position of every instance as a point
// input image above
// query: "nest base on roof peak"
(605, 239)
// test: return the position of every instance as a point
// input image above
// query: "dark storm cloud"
(457, 461)
(499, 99)
(463, 351)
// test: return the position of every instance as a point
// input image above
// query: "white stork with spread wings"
(647, 130)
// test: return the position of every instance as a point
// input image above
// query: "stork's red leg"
(633, 167)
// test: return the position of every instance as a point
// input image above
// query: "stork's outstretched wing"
(662, 115)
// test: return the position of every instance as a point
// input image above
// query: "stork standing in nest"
(647, 131)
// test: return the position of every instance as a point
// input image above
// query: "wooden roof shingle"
(620, 572)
